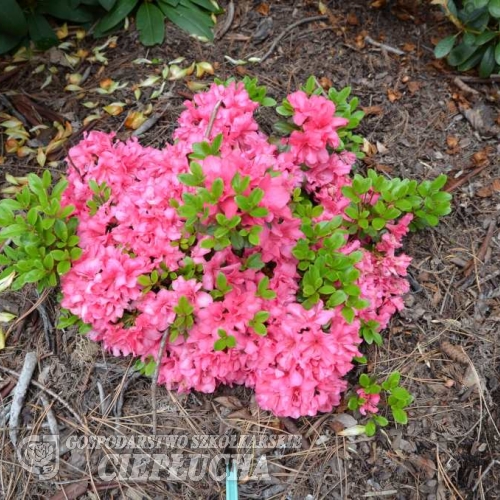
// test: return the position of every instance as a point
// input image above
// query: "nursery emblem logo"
(39, 455)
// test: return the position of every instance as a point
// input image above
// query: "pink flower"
(370, 402)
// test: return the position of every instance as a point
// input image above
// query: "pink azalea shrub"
(225, 280)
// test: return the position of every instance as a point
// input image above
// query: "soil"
(420, 122)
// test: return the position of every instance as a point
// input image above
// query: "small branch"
(464, 87)
(30, 362)
(228, 22)
(49, 415)
(287, 30)
(213, 116)
(385, 47)
(154, 385)
(47, 391)
(481, 254)
(476, 79)
(462, 180)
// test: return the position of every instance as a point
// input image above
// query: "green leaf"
(8, 42)
(378, 223)
(255, 261)
(150, 22)
(443, 48)
(12, 231)
(12, 21)
(62, 9)
(494, 8)
(497, 53)
(190, 19)
(461, 53)
(220, 344)
(364, 380)
(399, 415)
(63, 267)
(370, 428)
(107, 4)
(487, 64)
(41, 32)
(118, 13)
(34, 275)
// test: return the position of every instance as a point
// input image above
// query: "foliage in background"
(23, 20)
(39, 236)
(477, 42)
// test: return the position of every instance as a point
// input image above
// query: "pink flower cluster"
(370, 402)
(297, 368)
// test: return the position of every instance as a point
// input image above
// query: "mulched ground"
(420, 122)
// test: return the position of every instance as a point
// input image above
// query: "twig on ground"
(119, 403)
(211, 121)
(476, 79)
(29, 311)
(102, 398)
(154, 383)
(47, 325)
(228, 22)
(463, 86)
(30, 362)
(481, 254)
(49, 415)
(385, 47)
(462, 180)
(385, 493)
(49, 392)
(287, 30)
(481, 477)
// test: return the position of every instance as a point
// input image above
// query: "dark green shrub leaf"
(460, 54)
(12, 21)
(497, 53)
(487, 62)
(443, 48)
(41, 32)
(62, 9)
(117, 14)
(8, 42)
(189, 18)
(494, 8)
(150, 22)
(107, 4)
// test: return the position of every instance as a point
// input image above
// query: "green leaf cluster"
(66, 319)
(101, 194)
(398, 398)
(146, 367)
(327, 274)
(257, 323)
(38, 234)
(184, 318)
(224, 341)
(425, 200)
(29, 20)
(477, 43)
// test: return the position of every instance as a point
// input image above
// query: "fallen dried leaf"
(409, 47)
(426, 465)
(115, 108)
(263, 9)
(394, 95)
(134, 120)
(456, 353)
(381, 148)
(373, 110)
(231, 402)
(352, 19)
(414, 87)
